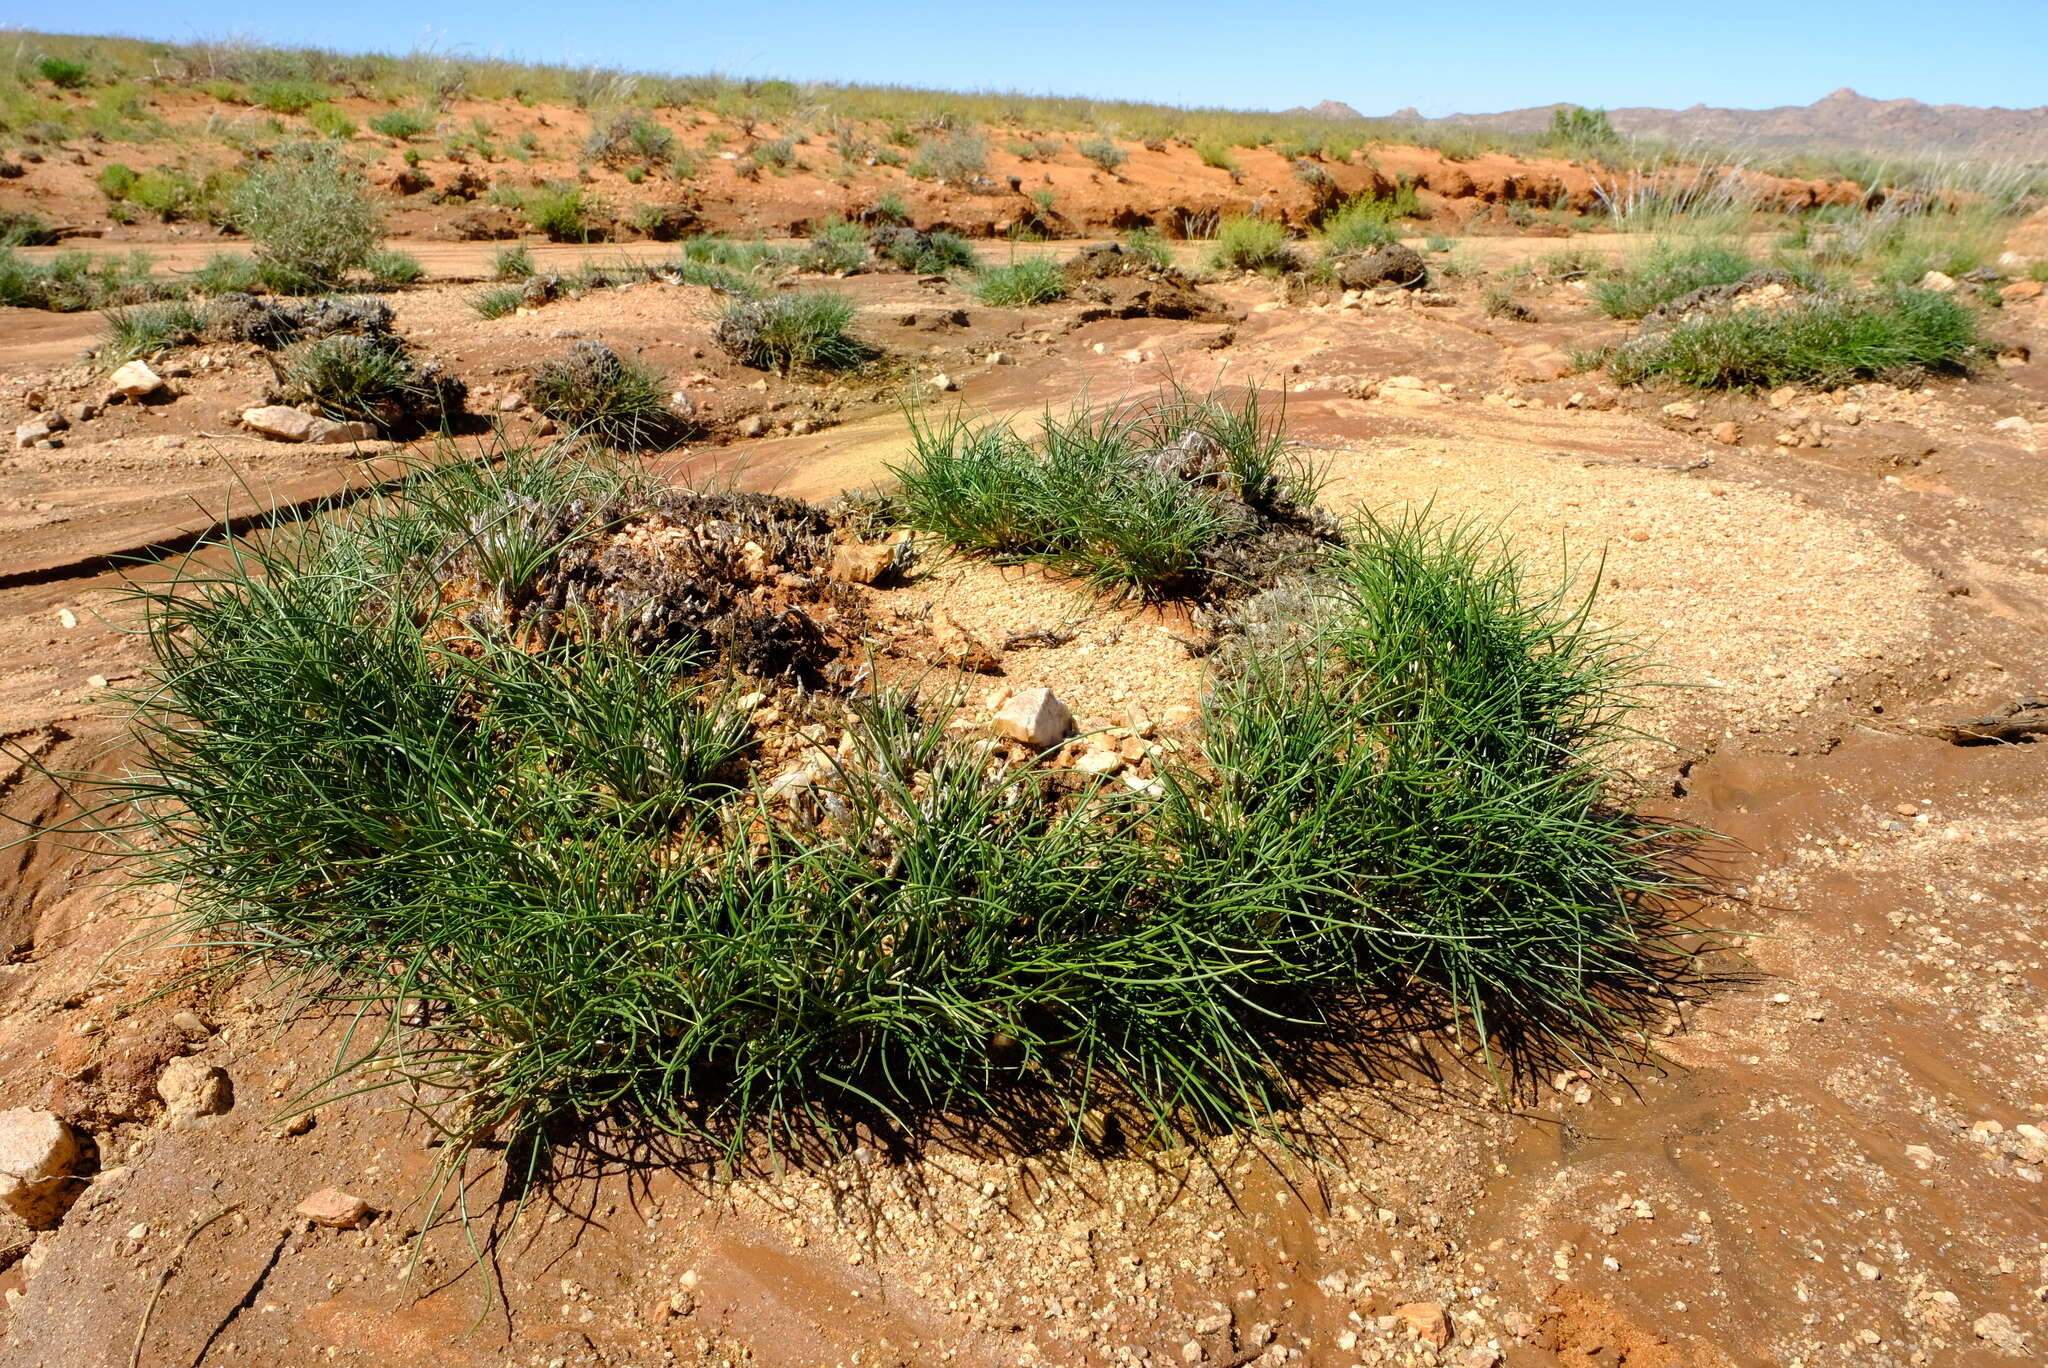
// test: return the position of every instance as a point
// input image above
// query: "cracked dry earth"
(1834, 1156)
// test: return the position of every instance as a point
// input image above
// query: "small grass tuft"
(497, 301)
(1034, 280)
(591, 389)
(1887, 333)
(801, 330)
(1666, 271)
(1251, 244)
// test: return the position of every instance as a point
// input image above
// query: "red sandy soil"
(1820, 1162)
(1165, 186)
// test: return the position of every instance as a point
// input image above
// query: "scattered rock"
(33, 431)
(1728, 433)
(958, 645)
(1537, 364)
(80, 413)
(282, 423)
(1999, 1331)
(1684, 409)
(134, 381)
(1035, 717)
(1102, 763)
(2021, 289)
(1938, 282)
(1427, 1321)
(861, 562)
(192, 1088)
(39, 1155)
(335, 1209)
(944, 382)
(327, 432)
(753, 425)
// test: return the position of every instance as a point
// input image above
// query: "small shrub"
(628, 139)
(805, 329)
(1082, 499)
(773, 154)
(591, 389)
(1034, 280)
(366, 378)
(1360, 226)
(1215, 152)
(1667, 271)
(167, 194)
(926, 253)
(143, 330)
(1251, 244)
(513, 263)
(286, 97)
(388, 267)
(226, 273)
(403, 124)
(953, 160)
(561, 212)
(115, 180)
(497, 301)
(1150, 244)
(73, 281)
(837, 247)
(890, 209)
(1833, 340)
(1104, 153)
(64, 73)
(331, 120)
(309, 215)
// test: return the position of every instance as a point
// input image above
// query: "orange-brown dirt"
(1164, 185)
(1828, 1158)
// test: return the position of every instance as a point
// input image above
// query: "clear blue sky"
(1441, 58)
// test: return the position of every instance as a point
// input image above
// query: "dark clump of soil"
(275, 323)
(1113, 283)
(744, 575)
(1395, 264)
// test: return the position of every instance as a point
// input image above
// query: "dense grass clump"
(368, 378)
(545, 879)
(1086, 496)
(309, 215)
(1667, 271)
(497, 301)
(74, 281)
(801, 330)
(1034, 280)
(592, 389)
(1411, 761)
(145, 329)
(561, 212)
(1360, 226)
(1835, 339)
(1250, 244)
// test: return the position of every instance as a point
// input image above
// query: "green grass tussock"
(544, 879)
(1034, 280)
(591, 389)
(1251, 244)
(1833, 339)
(1082, 497)
(1665, 272)
(800, 330)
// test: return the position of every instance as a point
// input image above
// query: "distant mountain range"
(1838, 122)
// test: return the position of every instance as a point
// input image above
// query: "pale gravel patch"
(1745, 595)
